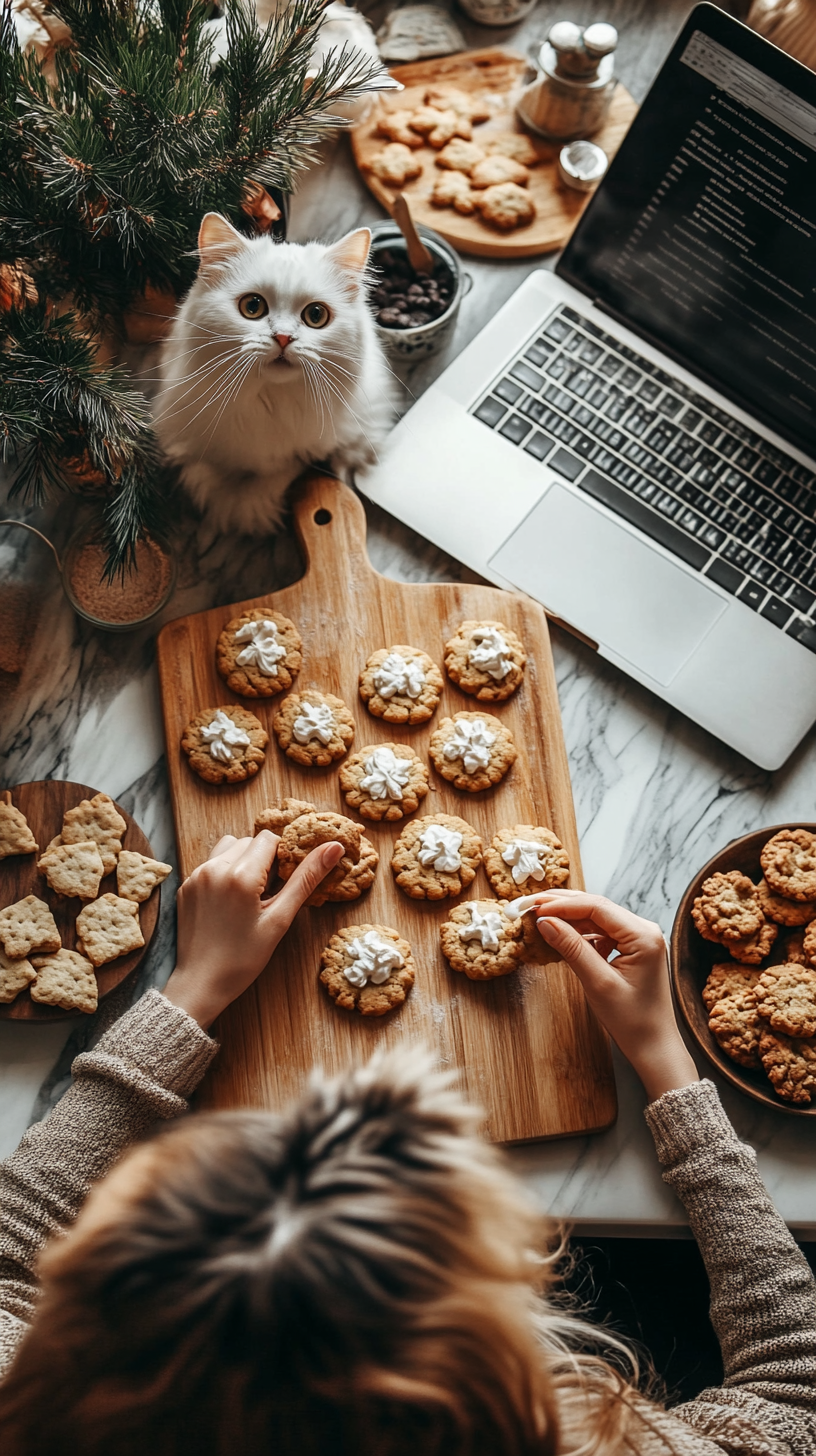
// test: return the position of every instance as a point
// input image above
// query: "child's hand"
(630, 996)
(227, 930)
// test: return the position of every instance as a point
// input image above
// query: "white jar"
(497, 12)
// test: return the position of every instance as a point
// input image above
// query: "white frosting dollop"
(485, 928)
(440, 848)
(315, 720)
(471, 741)
(514, 909)
(397, 674)
(384, 775)
(371, 958)
(525, 856)
(264, 649)
(491, 653)
(223, 735)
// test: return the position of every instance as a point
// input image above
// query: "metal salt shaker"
(571, 96)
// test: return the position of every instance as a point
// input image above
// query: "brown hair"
(354, 1276)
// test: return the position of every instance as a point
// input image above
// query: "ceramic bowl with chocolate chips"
(415, 313)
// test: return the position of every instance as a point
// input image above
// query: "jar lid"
(582, 164)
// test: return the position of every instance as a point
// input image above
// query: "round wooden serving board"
(44, 804)
(498, 74)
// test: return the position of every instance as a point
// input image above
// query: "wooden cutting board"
(526, 1046)
(499, 74)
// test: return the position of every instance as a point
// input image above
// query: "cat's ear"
(351, 253)
(218, 241)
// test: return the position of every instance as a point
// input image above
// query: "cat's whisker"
(233, 390)
(311, 383)
(212, 400)
(197, 384)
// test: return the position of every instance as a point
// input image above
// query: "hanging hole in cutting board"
(322, 517)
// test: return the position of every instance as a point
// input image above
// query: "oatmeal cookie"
(473, 751)
(728, 979)
(259, 653)
(737, 1027)
(496, 169)
(395, 165)
(436, 857)
(401, 684)
(367, 968)
(786, 998)
(727, 908)
(480, 941)
(790, 1065)
(15, 834)
(313, 729)
(396, 126)
(781, 910)
(506, 206)
(305, 833)
(790, 948)
(524, 859)
(535, 948)
(438, 127)
(277, 816)
(224, 745)
(452, 189)
(384, 781)
(753, 950)
(789, 864)
(808, 945)
(514, 145)
(486, 660)
(459, 156)
(451, 98)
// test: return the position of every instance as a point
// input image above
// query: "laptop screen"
(703, 235)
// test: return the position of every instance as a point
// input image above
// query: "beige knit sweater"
(763, 1297)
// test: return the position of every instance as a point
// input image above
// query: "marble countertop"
(655, 796)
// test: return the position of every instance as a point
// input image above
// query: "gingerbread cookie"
(753, 950)
(438, 127)
(473, 751)
(790, 1065)
(28, 925)
(15, 975)
(97, 818)
(514, 145)
(451, 98)
(277, 816)
(727, 908)
(480, 941)
(259, 653)
(486, 660)
(309, 830)
(225, 745)
(453, 190)
(786, 998)
(401, 684)
(524, 859)
(497, 169)
(384, 781)
(789, 864)
(313, 729)
(15, 834)
(781, 910)
(65, 979)
(436, 857)
(367, 968)
(396, 126)
(460, 156)
(395, 165)
(506, 206)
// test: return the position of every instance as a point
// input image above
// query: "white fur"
(239, 420)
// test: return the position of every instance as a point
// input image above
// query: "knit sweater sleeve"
(763, 1296)
(142, 1070)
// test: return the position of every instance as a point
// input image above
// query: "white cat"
(272, 364)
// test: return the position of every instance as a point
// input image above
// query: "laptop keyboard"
(701, 483)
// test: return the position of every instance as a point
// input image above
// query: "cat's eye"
(252, 306)
(316, 315)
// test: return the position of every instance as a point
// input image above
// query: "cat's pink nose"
(283, 340)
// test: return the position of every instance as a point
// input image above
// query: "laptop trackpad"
(596, 574)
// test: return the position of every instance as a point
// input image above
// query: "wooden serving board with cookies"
(450, 139)
(419, 725)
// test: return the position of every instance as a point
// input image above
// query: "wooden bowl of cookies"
(743, 1001)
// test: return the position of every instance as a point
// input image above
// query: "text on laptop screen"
(704, 234)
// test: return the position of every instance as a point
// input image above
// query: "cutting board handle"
(331, 527)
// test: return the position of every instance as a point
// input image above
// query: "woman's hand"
(227, 930)
(630, 996)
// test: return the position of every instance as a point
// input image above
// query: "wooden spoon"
(419, 256)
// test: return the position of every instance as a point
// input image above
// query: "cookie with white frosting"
(473, 751)
(480, 941)
(526, 858)
(367, 968)
(225, 745)
(314, 729)
(384, 781)
(436, 857)
(401, 684)
(259, 653)
(486, 660)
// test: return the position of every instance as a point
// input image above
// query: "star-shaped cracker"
(15, 835)
(66, 980)
(73, 869)
(137, 876)
(15, 975)
(109, 927)
(28, 925)
(97, 818)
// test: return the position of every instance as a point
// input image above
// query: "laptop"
(632, 439)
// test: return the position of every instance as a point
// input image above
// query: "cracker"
(28, 925)
(15, 975)
(137, 876)
(97, 818)
(73, 869)
(66, 980)
(109, 928)
(15, 834)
